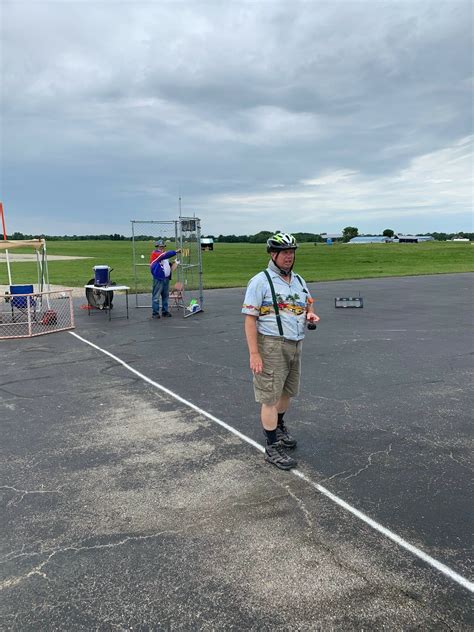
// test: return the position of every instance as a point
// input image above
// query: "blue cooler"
(101, 275)
(21, 302)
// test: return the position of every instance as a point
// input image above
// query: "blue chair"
(21, 302)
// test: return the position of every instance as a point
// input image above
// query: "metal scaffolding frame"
(185, 233)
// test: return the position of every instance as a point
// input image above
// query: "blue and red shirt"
(159, 265)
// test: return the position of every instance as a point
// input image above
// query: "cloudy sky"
(300, 116)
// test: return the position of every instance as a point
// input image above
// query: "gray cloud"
(111, 110)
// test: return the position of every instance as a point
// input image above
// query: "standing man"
(161, 269)
(277, 306)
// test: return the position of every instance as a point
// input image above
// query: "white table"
(106, 290)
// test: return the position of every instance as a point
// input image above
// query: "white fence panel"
(35, 314)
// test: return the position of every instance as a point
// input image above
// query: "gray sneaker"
(284, 437)
(276, 455)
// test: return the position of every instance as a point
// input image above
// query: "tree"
(261, 237)
(349, 232)
(388, 232)
(306, 237)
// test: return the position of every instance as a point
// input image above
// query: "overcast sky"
(299, 116)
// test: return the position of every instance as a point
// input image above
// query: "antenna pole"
(5, 239)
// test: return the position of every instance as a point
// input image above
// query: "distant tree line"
(111, 237)
(258, 238)
(262, 236)
(346, 234)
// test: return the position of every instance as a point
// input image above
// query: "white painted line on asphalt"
(465, 583)
(442, 568)
(172, 394)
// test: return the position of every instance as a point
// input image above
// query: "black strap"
(275, 304)
(301, 283)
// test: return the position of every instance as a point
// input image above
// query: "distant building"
(332, 236)
(367, 239)
(464, 239)
(413, 239)
(207, 243)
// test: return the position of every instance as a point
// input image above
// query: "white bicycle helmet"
(281, 241)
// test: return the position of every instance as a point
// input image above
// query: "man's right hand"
(256, 363)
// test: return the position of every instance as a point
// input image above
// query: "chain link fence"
(142, 247)
(186, 283)
(190, 271)
(35, 314)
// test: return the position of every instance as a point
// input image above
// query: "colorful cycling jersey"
(291, 300)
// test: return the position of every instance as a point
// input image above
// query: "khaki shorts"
(281, 369)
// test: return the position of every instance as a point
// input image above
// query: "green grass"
(231, 265)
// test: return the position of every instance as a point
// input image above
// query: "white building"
(374, 239)
(413, 239)
(331, 235)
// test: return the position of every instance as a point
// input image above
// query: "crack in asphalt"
(38, 570)
(460, 462)
(369, 462)
(362, 469)
(25, 492)
(302, 506)
(23, 382)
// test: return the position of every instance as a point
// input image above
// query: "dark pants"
(161, 287)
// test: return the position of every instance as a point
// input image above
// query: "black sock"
(280, 419)
(271, 436)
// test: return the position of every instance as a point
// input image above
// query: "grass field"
(231, 265)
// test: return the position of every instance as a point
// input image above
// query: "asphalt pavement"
(125, 508)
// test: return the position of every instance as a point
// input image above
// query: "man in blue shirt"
(277, 306)
(161, 269)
